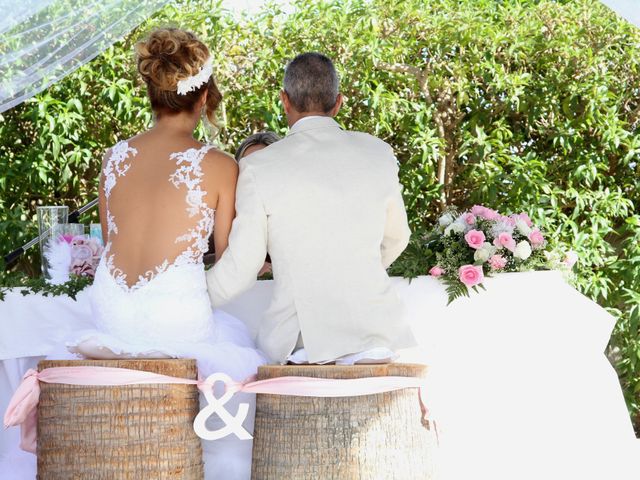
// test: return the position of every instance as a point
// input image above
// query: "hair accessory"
(193, 82)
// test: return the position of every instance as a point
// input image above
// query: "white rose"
(523, 250)
(454, 227)
(522, 227)
(445, 220)
(484, 253)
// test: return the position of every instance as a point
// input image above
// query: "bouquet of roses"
(466, 247)
(72, 255)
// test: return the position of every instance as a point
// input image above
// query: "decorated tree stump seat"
(371, 437)
(124, 432)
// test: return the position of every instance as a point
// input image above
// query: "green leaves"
(455, 289)
(27, 285)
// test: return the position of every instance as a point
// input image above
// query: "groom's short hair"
(311, 82)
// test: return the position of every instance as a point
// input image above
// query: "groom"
(327, 205)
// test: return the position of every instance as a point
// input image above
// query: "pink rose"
(536, 238)
(470, 218)
(491, 214)
(436, 271)
(478, 210)
(475, 239)
(523, 216)
(484, 212)
(505, 240)
(497, 262)
(470, 275)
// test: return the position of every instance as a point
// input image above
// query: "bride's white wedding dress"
(166, 312)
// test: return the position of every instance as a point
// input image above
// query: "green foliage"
(519, 105)
(27, 285)
(455, 289)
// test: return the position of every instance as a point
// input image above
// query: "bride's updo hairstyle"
(170, 55)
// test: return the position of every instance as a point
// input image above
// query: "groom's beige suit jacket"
(327, 206)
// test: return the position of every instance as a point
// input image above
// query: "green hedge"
(520, 105)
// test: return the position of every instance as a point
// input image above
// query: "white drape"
(629, 9)
(42, 41)
(520, 388)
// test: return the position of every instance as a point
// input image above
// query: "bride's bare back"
(161, 193)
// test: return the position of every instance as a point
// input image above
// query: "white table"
(519, 383)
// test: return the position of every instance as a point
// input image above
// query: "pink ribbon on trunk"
(22, 409)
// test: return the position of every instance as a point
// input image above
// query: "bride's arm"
(238, 268)
(224, 180)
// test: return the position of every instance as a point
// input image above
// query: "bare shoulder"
(128, 145)
(218, 165)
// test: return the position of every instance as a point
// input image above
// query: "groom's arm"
(238, 268)
(396, 230)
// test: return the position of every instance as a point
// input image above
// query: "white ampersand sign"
(233, 424)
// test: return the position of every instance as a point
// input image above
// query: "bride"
(160, 194)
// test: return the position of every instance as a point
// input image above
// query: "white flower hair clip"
(194, 82)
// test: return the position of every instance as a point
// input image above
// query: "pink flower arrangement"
(76, 255)
(465, 247)
(85, 256)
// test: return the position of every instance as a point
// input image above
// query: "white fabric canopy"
(42, 41)
(629, 9)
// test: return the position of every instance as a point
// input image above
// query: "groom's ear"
(336, 108)
(286, 103)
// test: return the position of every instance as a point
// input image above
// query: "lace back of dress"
(156, 213)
